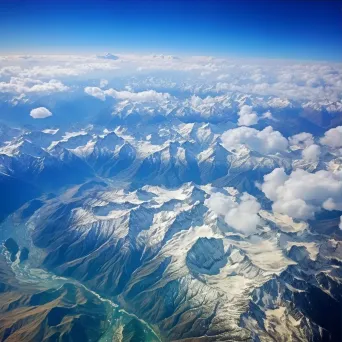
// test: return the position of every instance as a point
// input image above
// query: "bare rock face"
(206, 256)
(12, 248)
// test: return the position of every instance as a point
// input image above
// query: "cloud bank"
(18, 85)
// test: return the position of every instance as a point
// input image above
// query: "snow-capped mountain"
(143, 245)
(161, 219)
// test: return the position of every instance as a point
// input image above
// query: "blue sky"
(272, 29)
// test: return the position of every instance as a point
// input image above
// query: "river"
(29, 272)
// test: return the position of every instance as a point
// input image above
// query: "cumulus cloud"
(247, 117)
(40, 113)
(103, 83)
(333, 137)
(242, 215)
(302, 194)
(302, 139)
(266, 141)
(268, 115)
(311, 153)
(96, 92)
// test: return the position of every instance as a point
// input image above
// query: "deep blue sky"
(275, 28)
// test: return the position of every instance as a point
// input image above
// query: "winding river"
(29, 272)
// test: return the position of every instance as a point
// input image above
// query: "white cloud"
(28, 85)
(195, 64)
(333, 137)
(266, 141)
(272, 182)
(340, 225)
(223, 77)
(59, 66)
(279, 103)
(285, 80)
(301, 194)
(242, 215)
(48, 87)
(302, 139)
(103, 83)
(270, 84)
(268, 115)
(311, 153)
(40, 113)
(96, 92)
(220, 203)
(143, 96)
(109, 56)
(247, 117)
